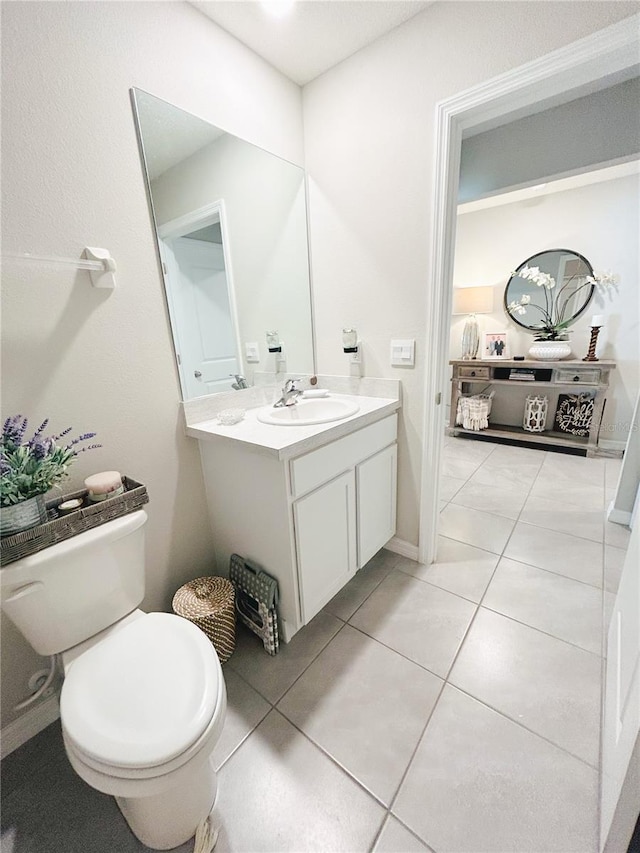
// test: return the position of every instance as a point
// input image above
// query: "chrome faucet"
(240, 382)
(290, 394)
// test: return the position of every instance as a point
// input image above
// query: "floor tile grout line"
(391, 649)
(313, 660)
(244, 739)
(540, 630)
(565, 532)
(396, 794)
(502, 556)
(332, 758)
(444, 684)
(517, 519)
(506, 716)
(274, 705)
(369, 594)
(551, 572)
(327, 755)
(441, 588)
(391, 814)
(266, 698)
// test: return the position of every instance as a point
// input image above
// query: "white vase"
(22, 516)
(550, 350)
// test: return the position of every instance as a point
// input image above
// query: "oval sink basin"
(306, 412)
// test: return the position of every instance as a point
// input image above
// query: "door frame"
(608, 53)
(201, 217)
(604, 54)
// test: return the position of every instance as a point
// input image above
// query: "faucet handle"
(290, 384)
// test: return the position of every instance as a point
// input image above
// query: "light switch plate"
(252, 352)
(403, 353)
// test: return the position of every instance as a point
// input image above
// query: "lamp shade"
(473, 300)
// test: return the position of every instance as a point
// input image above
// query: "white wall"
(369, 139)
(102, 360)
(600, 221)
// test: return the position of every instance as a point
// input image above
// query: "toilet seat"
(137, 702)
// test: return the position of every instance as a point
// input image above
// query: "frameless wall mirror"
(549, 291)
(230, 222)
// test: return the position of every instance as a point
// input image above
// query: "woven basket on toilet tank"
(210, 604)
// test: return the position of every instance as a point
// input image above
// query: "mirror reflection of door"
(201, 305)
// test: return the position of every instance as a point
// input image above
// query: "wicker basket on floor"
(210, 604)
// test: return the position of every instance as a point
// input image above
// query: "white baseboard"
(401, 546)
(613, 444)
(618, 516)
(28, 725)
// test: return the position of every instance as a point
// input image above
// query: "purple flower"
(85, 437)
(40, 447)
(62, 434)
(13, 430)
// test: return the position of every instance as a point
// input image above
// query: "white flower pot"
(550, 350)
(22, 516)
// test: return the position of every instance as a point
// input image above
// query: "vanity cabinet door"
(376, 484)
(325, 526)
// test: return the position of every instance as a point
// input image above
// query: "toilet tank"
(68, 592)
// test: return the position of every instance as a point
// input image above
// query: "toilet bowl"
(143, 700)
(141, 713)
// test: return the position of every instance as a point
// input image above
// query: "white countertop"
(286, 442)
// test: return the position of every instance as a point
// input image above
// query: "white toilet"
(143, 700)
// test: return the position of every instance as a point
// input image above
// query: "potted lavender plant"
(29, 469)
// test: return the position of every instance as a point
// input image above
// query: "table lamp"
(472, 301)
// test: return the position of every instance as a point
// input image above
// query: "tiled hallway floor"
(452, 707)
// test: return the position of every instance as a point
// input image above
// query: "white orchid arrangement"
(553, 323)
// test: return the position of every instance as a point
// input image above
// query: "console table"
(551, 378)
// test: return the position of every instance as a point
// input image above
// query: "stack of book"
(522, 374)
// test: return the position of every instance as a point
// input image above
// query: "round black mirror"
(549, 291)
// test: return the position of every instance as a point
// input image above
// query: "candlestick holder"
(591, 355)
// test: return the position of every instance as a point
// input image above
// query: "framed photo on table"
(495, 345)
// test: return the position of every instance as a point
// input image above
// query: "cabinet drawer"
(474, 372)
(310, 471)
(580, 375)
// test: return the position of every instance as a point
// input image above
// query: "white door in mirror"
(310, 411)
(197, 279)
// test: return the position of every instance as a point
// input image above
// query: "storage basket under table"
(210, 604)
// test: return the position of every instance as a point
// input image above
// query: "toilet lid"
(144, 695)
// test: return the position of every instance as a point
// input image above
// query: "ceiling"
(315, 35)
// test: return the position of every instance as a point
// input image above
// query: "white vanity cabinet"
(344, 509)
(310, 520)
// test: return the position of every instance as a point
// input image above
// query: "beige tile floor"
(452, 708)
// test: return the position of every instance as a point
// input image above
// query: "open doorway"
(593, 63)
